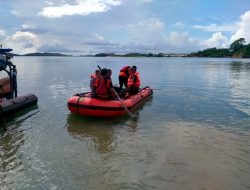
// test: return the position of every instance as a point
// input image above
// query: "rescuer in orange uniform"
(103, 86)
(93, 78)
(134, 82)
(123, 76)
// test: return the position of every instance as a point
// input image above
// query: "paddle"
(124, 106)
(120, 100)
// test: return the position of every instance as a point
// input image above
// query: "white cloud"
(49, 2)
(15, 12)
(27, 26)
(148, 31)
(24, 42)
(243, 28)
(23, 35)
(179, 25)
(182, 42)
(217, 28)
(98, 41)
(99, 37)
(127, 28)
(146, 1)
(217, 40)
(3, 34)
(83, 7)
(150, 35)
(178, 38)
(139, 2)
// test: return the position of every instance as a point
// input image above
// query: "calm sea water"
(194, 133)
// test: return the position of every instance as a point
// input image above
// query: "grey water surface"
(194, 133)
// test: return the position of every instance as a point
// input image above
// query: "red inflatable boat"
(83, 104)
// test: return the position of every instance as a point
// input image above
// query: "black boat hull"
(11, 106)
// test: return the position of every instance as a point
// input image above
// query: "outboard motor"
(10, 69)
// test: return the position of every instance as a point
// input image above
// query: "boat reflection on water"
(18, 117)
(12, 139)
(102, 133)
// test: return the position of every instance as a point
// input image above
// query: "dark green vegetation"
(131, 55)
(45, 54)
(237, 49)
(212, 52)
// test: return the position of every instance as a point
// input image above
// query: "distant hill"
(45, 54)
(238, 49)
(115, 55)
(104, 54)
(13, 54)
(135, 55)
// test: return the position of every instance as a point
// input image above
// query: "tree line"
(238, 49)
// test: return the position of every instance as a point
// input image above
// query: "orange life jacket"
(124, 71)
(137, 82)
(102, 86)
(93, 78)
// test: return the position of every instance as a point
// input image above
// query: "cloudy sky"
(81, 27)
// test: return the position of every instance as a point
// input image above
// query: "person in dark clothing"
(14, 80)
(1, 92)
